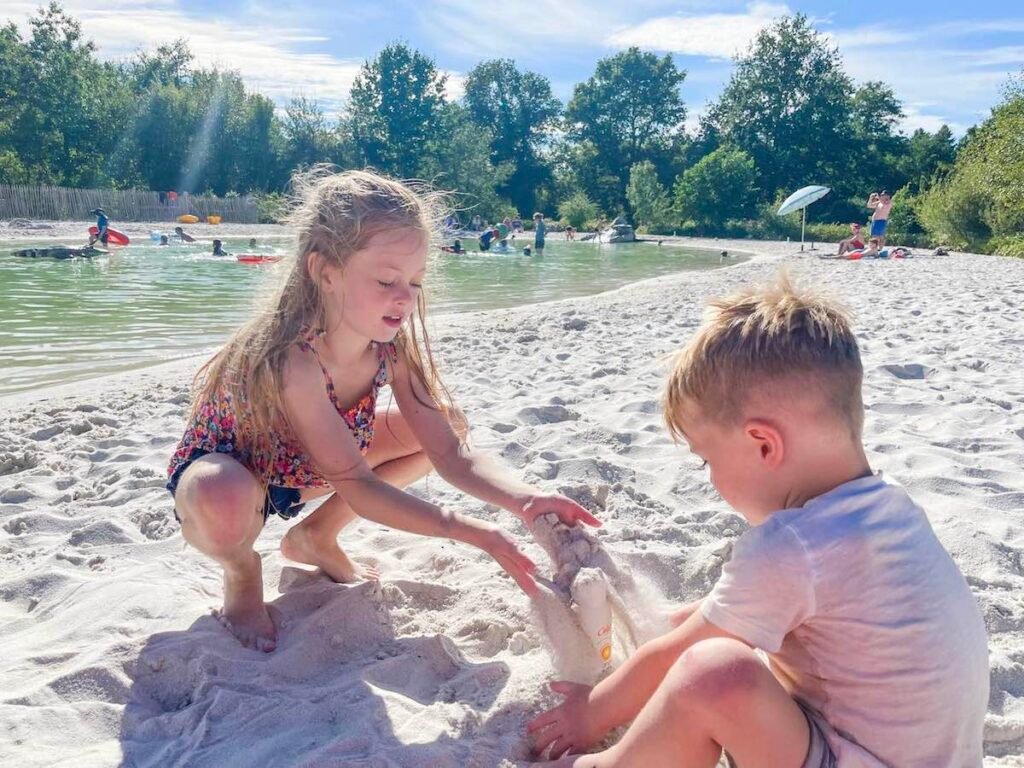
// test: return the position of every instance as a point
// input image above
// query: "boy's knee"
(717, 676)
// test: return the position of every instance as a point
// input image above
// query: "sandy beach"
(111, 656)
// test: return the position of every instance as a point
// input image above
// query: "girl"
(286, 411)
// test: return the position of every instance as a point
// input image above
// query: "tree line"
(789, 116)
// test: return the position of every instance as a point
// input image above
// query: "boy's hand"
(568, 511)
(569, 727)
(502, 548)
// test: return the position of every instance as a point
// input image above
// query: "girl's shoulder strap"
(305, 343)
(387, 353)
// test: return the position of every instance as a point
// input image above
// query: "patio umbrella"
(799, 201)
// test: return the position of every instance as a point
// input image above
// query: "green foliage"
(272, 208)
(461, 162)
(788, 106)
(956, 213)
(1009, 245)
(578, 210)
(719, 187)
(520, 112)
(651, 206)
(395, 109)
(628, 111)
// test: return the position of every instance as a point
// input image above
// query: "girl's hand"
(568, 511)
(569, 727)
(500, 546)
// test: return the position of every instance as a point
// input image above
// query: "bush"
(272, 208)
(718, 188)
(1008, 245)
(955, 213)
(578, 210)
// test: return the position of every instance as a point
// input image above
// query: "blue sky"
(946, 60)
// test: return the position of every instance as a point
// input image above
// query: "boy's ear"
(770, 445)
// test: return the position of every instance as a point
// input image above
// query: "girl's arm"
(469, 470)
(327, 440)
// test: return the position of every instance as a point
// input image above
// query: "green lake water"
(64, 321)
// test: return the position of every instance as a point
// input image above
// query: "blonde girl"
(287, 411)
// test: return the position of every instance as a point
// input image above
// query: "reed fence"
(64, 204)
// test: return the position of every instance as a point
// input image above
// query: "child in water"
(218, 249)
(287, 411)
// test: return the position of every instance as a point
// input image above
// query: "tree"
(578, 209)
(647, 198)
(788, 106)
(628, 111)
(519, 111)
(874, 117)
(461, 162)
(395, 109)
(928, 157)
(308, 138)
(719, 187)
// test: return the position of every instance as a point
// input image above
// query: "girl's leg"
(397, 458)
(718, 695)
(220, 504)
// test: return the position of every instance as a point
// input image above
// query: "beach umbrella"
(799, 201)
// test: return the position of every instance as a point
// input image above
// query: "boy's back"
(868, 622)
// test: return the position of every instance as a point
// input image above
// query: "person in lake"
(286, 412)
(218, 249)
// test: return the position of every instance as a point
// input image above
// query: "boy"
(880, 204)
(540, 231)
(877, 648)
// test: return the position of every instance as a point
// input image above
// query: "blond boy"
(877, 649)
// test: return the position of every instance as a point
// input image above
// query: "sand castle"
(592, 610)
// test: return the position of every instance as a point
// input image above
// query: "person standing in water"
(540, 231)
(102, 227)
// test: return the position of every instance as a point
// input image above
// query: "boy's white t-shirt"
(866, 620)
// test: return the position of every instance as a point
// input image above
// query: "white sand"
(110, 656)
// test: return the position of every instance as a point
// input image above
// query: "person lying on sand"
(877, 648)
(287, 411)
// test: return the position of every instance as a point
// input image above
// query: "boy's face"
(734, 456)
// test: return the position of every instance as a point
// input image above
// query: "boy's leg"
(397, 458)
(718, 695)
(220, 505)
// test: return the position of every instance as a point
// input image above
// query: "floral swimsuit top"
(214, 430)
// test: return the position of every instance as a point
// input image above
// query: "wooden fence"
(64, 204)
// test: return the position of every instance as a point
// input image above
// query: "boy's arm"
(587, 714)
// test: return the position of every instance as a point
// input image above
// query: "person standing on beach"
(540, 231)
(876, 647)
(880, 204)
(287, 411)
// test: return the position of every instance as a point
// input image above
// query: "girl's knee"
(220, 502)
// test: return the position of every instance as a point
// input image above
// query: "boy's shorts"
(819, 753)
(878, 227)
(281, 501)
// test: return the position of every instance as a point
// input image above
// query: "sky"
(947, 61)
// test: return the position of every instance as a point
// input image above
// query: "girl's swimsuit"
(288, 468)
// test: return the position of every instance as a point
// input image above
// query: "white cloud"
(268, 57)
(716, 35)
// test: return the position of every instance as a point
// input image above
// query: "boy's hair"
(760, 336)
(335, 215)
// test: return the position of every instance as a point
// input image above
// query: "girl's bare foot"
(245, 614)
(302, 545)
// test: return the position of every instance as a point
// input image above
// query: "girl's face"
(379, 287)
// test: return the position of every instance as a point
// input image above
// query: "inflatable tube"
(256, 258)
(113, 236)
(155, 236)
(213, 219)
(188, 218)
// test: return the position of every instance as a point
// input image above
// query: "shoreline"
(112, 657)
(63, 388)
